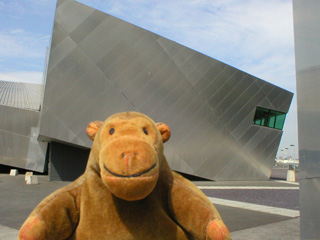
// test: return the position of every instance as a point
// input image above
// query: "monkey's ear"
(93, 128)
(165, 131)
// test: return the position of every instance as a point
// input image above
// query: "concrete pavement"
(251, 210)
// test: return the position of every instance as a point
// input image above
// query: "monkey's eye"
(111, 131)
(145, 130)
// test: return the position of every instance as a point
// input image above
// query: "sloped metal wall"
(307, 48)
(100, 65)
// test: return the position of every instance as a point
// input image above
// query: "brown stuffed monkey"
(127, 192)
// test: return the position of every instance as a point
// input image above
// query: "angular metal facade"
(100, 65)
(307, 48)
(19, 126)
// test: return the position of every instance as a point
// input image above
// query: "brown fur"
(127, 192)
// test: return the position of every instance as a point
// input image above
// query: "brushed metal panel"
(67, 100)
(184, 128)
(250, 135)
(201, 148)
(266, 88)
(71, 60)
(243, 106)
(21, 95)
(169, 47)
(207, 153)
(217, 81)
(64, 7)
(265, 103)
(309, 208)
(209, 76)
(230, 95)
(87, 25)
(60, 52)
(176, 97)
(18, 120)
(274, 94)
(36, 152)
(147, 59)
(111, 63)
(250, 146)
(14, 149)
(284, 106)
(181, 57)
(198, 125)
(132, 73)
(59, 2)
(283, 97)
(266, 141)
(221, 95)
(73, 66)
(234, 103)
(76, 15)
(307, 37)
(158, 91)
(269, 153)
(155, 76)
(90, 101)
(210, 163)
(227, 163)
(105, 36)
(244, 123)
(18, 139)
(160, 110)
(176, 162)
(58, 35)
(192, 65)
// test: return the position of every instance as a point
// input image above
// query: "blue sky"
(255, 36)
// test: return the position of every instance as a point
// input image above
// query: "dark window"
(269, 118)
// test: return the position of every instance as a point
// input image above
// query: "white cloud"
(18, 9)
(17, 43)
(22, 76)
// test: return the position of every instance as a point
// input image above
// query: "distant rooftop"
(21, 95)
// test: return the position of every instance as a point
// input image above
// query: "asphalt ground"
(251, 210)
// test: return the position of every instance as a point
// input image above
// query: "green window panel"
(280, 121)
(271, 121)
(269, 118)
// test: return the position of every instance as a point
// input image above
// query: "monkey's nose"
(128, 154)
(128, 158)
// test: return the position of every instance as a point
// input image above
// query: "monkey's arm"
(194, 212)
(56, 216)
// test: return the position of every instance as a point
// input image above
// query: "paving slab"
(285, 230)
(271, 183)
(7, 233)
(280, 198)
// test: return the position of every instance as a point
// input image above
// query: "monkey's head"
(129, 149)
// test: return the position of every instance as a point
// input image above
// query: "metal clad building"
(226, 124)
(19, 119)
(307, 48)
